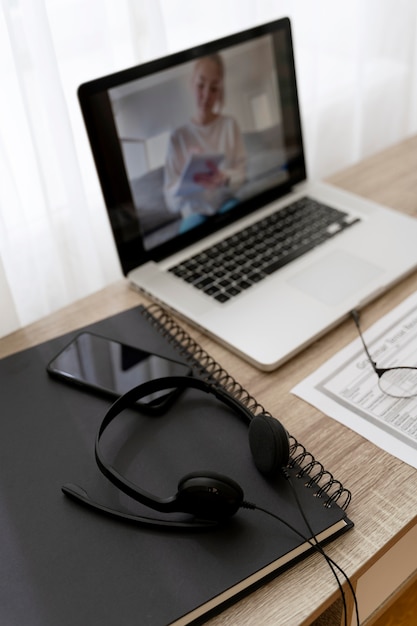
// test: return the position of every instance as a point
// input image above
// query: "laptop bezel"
(109, 162)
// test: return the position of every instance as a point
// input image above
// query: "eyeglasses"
(398, 382)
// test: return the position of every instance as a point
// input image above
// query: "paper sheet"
(346, 387)
(196, 164)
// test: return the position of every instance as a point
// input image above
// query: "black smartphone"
(109, 367)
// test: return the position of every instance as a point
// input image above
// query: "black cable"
(315, 545)
(321, 550)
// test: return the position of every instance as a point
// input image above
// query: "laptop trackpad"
(335, 277)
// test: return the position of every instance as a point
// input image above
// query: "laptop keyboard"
(233, 265)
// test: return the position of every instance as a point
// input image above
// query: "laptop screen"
(188, 143)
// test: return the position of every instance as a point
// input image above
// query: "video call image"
(199, 138)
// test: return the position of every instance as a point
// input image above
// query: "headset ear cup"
(269, 444)
(209, 496)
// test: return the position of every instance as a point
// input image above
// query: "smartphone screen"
(112, 368)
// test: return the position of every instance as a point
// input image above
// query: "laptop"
(201, 162)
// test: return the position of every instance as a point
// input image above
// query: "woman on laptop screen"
(206, 159)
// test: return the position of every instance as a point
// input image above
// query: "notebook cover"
(63, 564)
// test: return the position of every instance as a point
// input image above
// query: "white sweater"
(221, 136)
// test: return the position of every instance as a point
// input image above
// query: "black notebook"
(63, 564)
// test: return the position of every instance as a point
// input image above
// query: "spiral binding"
(204, 366)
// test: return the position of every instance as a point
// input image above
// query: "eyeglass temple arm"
(355, 314)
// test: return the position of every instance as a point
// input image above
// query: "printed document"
(346, 387)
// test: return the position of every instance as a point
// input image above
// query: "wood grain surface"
(384, 503)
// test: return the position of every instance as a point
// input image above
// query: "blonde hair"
(218, 61)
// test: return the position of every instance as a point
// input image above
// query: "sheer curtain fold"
(356, 65)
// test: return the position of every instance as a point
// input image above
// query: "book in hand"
(74, 566)
(196, 164)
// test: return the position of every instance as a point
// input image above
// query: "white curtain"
(357, 74)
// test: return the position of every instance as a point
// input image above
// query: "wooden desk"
(384, 504)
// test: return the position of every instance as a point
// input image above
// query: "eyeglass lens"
(400, 382)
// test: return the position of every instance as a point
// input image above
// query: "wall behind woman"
(356, 65)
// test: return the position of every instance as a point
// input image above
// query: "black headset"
(210, 498)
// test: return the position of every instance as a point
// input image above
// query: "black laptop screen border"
(98, 114)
